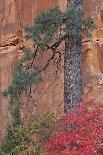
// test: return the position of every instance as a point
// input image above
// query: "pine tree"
(74, 27)
(49, 30)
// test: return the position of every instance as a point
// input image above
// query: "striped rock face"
(17, 13)
(14, 14)
(93, 48)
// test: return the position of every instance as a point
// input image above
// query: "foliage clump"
(83, 132)
(22, 77)
(49, 24)
(30, 136)
(45, 26)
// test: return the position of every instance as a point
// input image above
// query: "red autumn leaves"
(83, 132)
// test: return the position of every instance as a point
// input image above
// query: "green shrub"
(30, 136)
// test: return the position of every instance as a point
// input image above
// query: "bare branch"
(34, 56)
(59, 58)
(57, 43)
(30, 97)
(48, 62)
(53, 47)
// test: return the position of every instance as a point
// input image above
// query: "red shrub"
(83, 133)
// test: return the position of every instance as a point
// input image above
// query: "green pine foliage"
(44, 30)
(22, 78)
(47, 24)
(27, 55)
(44, 27)
(78, 27)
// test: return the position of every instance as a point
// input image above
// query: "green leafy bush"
(30, 136)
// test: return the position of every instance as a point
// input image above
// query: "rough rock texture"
(93, 48)
(14, 14)
(8, 59)
(93, 51)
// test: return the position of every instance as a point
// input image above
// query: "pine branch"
(53, 47)
(59, 58)
(34, 55)
(30, 97)
(48, 62)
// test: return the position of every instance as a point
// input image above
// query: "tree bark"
(73, 90)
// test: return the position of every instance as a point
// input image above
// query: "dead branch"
(34, 56)
(53, 47)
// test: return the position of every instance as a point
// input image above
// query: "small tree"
(70, 27)
(48, 31)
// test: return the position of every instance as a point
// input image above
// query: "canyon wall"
(14, 15)
(93, 51)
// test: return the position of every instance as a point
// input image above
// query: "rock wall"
(93, 48)
(14, 15)
(93, 51)
(7, 62)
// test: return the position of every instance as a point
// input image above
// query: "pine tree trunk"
(73, 89)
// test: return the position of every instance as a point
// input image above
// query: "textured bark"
(73, 64)
(77, 5)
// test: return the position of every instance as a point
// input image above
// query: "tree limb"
(53, 47)
(30, 97)
(34, 56)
